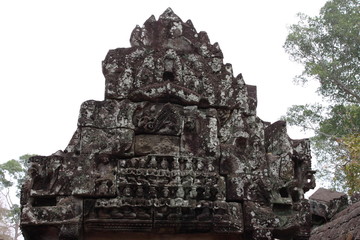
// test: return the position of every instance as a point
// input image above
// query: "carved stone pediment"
(175, 149)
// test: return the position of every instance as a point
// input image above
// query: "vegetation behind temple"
(12, 175)
(328, 47)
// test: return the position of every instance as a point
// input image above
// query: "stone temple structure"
(175, 151)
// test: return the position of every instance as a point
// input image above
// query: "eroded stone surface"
(343, 225)
(175, 147)
(325, 204)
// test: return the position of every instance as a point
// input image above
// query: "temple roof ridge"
(166, 30)
(169, 14)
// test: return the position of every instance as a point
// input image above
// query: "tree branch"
(6, 198)
(346, 89)
(321, 133)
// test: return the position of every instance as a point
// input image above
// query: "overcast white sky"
(51, 53)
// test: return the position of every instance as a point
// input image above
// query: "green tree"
(12, 175)
(352, 166)
(328, 47)
(4, 226)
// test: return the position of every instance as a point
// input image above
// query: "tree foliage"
(328, 47)
(5, 232)
(351, 166)
(12, 175)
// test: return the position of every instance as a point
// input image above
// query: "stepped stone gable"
(175, 151)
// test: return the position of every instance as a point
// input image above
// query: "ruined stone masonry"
(175, 151)
(332, 216)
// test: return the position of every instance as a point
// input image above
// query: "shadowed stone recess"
(175, 151)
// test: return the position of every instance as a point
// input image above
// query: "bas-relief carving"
(158, 119)
(105, 176)
(175, 147)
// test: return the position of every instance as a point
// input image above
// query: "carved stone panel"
(117, 141)
(107, 114)
(200, 134)
(156, 144)
(158, 119)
